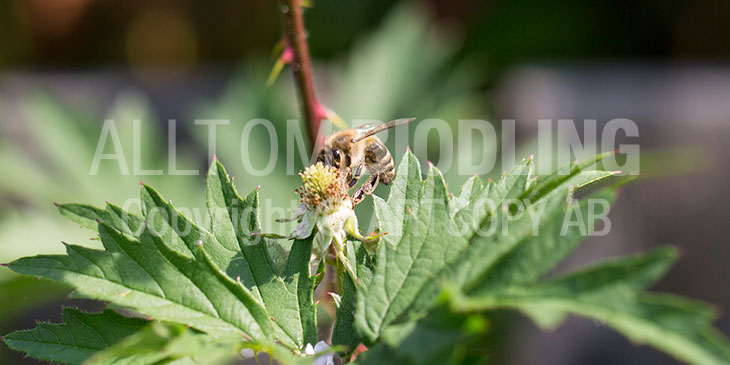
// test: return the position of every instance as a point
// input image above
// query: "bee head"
(336, 152)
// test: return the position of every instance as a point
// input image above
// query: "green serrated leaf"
(344, 332)
(165, 266)
(574, 176)
(411, 265)
(233, 222)
(403, 196)
(434, 339)
(169, 343)
(150, 278)
(79, 337)
(403, 267)
(539, 252)
(611, 293)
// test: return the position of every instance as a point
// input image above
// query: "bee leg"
(366, 189)
(355, 177)
(370, 186)
(361, 192)
(357, 196)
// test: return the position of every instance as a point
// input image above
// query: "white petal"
(328, 359)
(321, 346)
(309, 350)
(247, 353)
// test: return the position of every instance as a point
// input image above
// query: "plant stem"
(301, 67)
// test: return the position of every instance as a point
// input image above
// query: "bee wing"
(365, 128)
(369, 129)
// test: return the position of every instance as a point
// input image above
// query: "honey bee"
(357, 149)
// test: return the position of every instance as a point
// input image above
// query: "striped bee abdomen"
(379, 161)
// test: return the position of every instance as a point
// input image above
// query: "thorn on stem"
(320, 111)
(287, 55)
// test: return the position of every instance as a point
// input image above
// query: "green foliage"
(78, 338)
(344, 330)
(46, 150)
(166, 267)
(164, 342)
(420, 294)
(440, 238)
(611, 293)
(48, 138)
(430, 340)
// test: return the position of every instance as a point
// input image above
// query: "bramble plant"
(416, 291)
(207, 294)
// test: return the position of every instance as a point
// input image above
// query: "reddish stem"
(296, 36)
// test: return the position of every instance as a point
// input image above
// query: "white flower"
(320, 347)
(248, 353)
(309, 350)
(328, 207)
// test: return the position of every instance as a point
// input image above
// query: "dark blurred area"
(665, 65)
(97, 34)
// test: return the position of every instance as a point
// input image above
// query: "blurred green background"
(68, 65)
